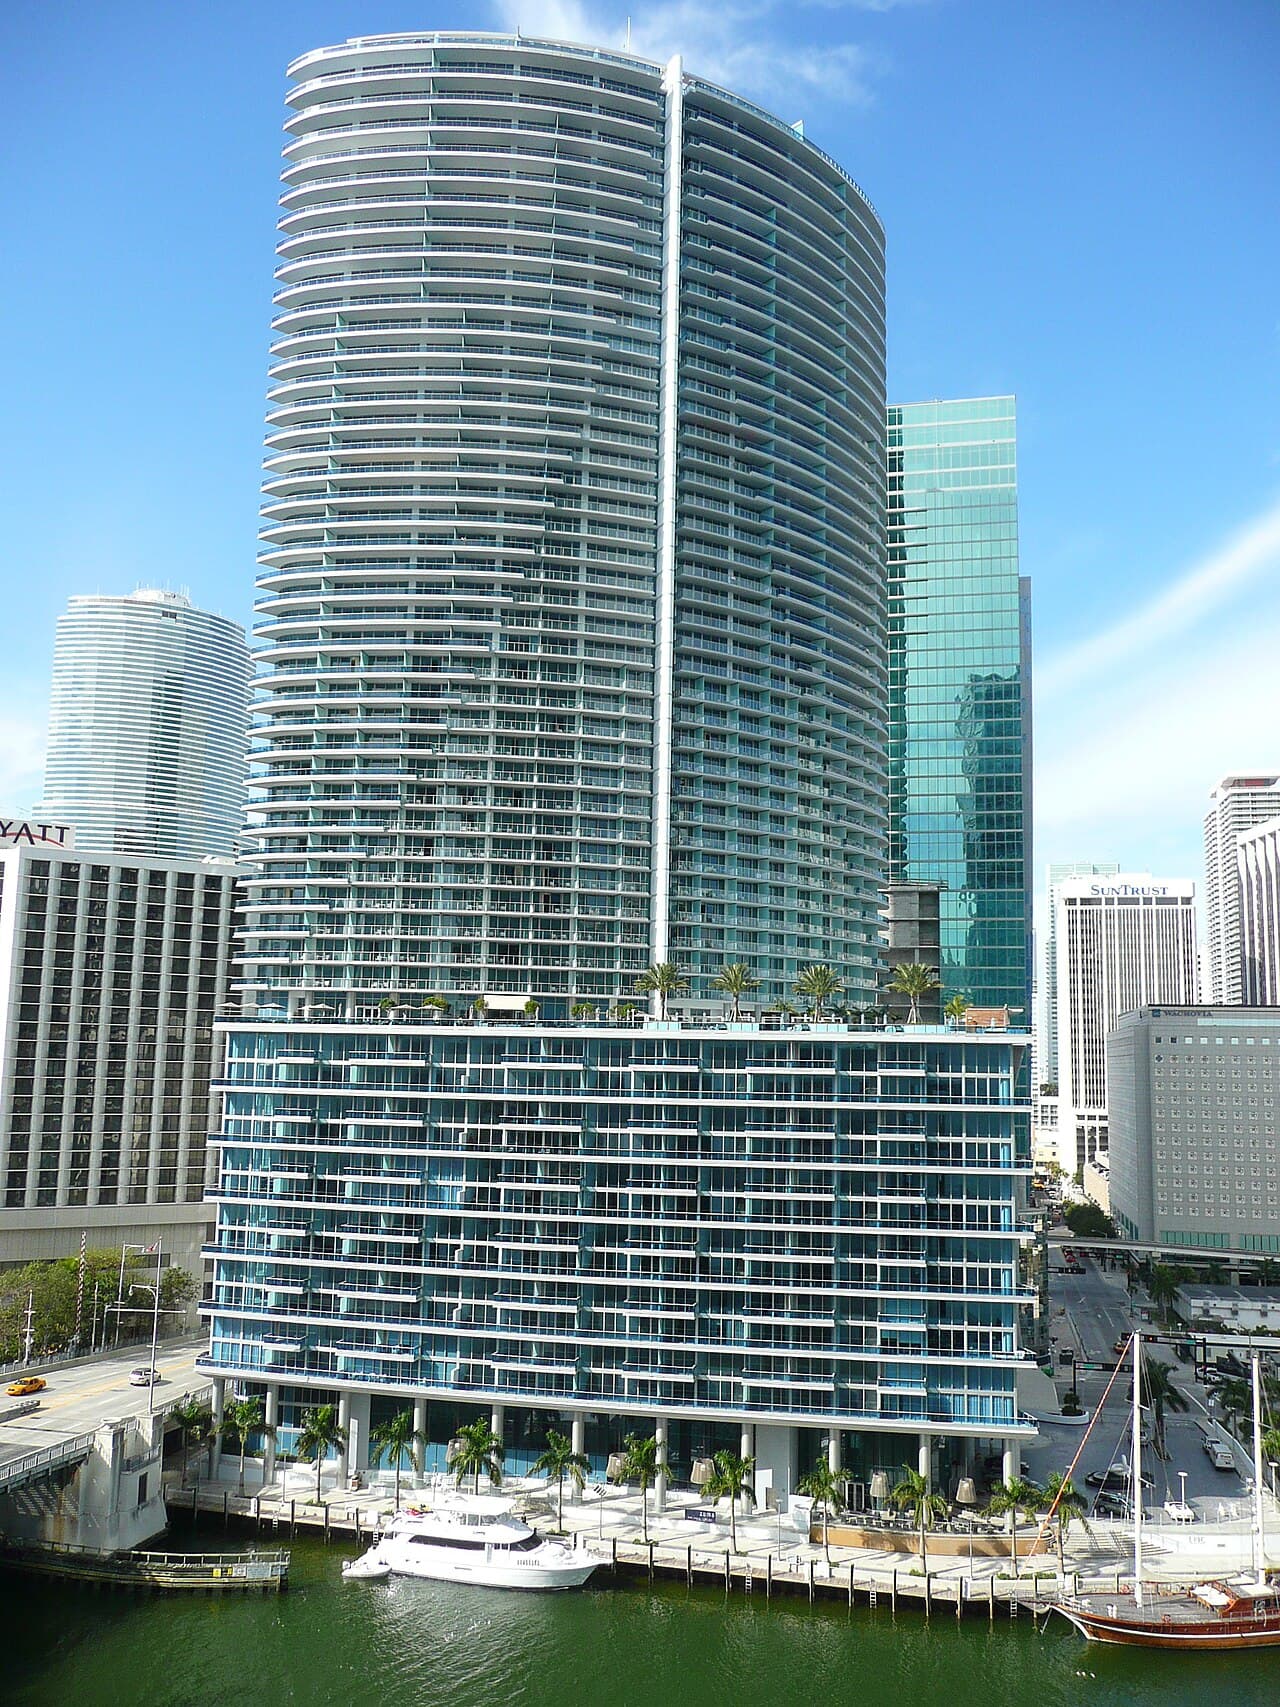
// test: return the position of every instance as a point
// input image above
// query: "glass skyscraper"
(573, 659)
(571, 600)
(148, 726)
(960, 690)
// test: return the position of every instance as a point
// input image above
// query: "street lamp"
(146, 1286)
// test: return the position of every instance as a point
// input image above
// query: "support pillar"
(1011, 1462)
(833, 1452)
(924, 1458)
(496, 1420)
(420, 1429)
(578, 1441)
(747, 1441)
(344, 1452)
(359, 1408)
(269, 1438)
(219, 1412)
(660, 1479)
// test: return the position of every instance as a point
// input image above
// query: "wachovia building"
(572, 659)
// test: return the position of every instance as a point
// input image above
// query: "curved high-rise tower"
(571, 602)
(148, 726)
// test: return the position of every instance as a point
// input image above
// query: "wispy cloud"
(751, 46)
(1198, 591)
(1135, 724)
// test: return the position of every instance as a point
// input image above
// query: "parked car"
(144, 1377)
(1121, 1345)
(28, 1384)
(1111, 1505)
(1219, 1454)
(1115, 1480)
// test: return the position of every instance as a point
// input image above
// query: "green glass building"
(960, 689)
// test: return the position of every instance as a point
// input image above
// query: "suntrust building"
(572, 660)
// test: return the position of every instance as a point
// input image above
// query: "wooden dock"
(250, 1571)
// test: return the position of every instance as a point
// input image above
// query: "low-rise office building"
(1195, 1127)
(112, 968)
(807, 1239)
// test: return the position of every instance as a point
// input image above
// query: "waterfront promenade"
(770, 1552)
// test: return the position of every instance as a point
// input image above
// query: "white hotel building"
(1258, 867)
(111, 971)
(1122, 942)
(1236, 805)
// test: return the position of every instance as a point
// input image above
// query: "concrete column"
(496, 1420)
(833, 1451)
(219, 1412)
(1011, 1464)
(578, 1440)
(747, 1442)
(924, 1458)
(269, 1439)
(344, 1422)
(359, 1406)
(420, 1428)
(660, 1480)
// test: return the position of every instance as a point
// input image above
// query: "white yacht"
(473, 1539)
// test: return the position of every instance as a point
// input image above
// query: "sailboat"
(1238, 1612)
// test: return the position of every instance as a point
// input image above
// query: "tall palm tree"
(477, 1450)
(731, 1478)
(560, 1460)
(1160, 1393)
(824, 1485)
(1016, 1495)
(393, 1438)
(957, 1007)
(1235, 1399)
(912, 1493)
(321, 1434)
(195, 1421)
(664, 980)
(818, 985)
(915, 981)
(240, 1420)
(1164, 1284)
(640, 1464)
(735, 980)
(1065, 1501)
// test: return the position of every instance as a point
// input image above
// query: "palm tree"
(663, 980)
(1011, 1497)
(640, 1464)
(824, 1485)
(818, 985)
(480, 1008)
(393, 1438)
(731, 1479)
(1235, 1399)
(195, 1420)
(321, 1434)
(240, 1420)
(582, 1010)
(560, 1460)
(1063, 1500)
(915, 981)
(957, 1007)
(476, 1449)
(1161, 1395)
(1164, 1284)
(623, 1012)
(735, 980)
(912, 1493)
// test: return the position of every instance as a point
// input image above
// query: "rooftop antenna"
(627, 43)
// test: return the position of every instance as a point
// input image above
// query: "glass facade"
(959, 689)
(571, 609)
(799, 1226)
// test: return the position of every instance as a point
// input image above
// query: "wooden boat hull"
(1218, 1633)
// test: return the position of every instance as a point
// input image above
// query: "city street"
(81, 1395)
(1089, 1313)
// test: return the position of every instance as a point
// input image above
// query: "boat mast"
(1258, 1505)
(1137, 1467)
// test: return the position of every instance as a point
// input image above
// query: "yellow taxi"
(28, 1384)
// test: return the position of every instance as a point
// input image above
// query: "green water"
(434, 1645)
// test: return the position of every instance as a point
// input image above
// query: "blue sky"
(1081, 204)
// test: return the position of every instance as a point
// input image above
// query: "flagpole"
(155, 1334)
